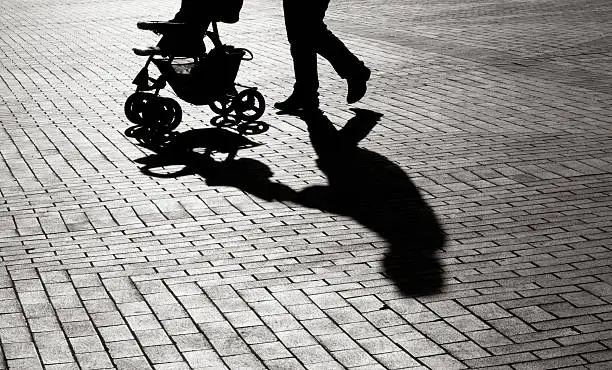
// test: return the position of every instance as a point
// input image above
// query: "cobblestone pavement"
(492, 160)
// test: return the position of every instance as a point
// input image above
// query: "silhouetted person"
(308, 36)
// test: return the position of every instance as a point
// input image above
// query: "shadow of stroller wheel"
(252, 128)
(221, 107)
(138, 132)
(152, 138)
(223, 121)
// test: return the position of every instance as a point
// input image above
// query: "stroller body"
(196, 76)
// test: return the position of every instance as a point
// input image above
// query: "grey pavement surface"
(492, 160)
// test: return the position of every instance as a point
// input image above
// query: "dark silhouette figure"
(308, 36)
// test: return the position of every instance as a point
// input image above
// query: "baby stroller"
(196, 76)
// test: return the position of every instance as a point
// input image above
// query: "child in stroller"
(196, 76)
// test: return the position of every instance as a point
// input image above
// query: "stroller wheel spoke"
(249, 105)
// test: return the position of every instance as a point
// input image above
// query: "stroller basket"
(203, 80)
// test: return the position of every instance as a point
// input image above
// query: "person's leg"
(193, 12)
(344, 62)
(299, 19)
(187, 39)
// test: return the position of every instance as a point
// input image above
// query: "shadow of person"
(378, 194)
(364, 186)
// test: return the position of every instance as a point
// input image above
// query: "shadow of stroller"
(365, 186)
(193, 152)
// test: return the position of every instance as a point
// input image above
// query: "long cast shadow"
(377, 193)
(362, 185)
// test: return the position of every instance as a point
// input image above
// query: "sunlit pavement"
(492, 161)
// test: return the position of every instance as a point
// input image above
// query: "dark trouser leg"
(345, 63)
(192, 12)
(188, 39)
(299, 22)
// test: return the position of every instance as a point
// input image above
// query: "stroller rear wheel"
(135, 106)
(163, 114)
(249, 105)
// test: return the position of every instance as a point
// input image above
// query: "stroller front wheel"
(163, 114)
(174, 114)
(249, 105)
(221, 107)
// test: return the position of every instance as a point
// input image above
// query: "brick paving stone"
(67, 366)
(152, 337)
(296, 338)
(123, 349)
(246, 361)
(312, 354)
(86, 344)
(26, 363)
(133, 363)
(465, 350)
(204, 358)
(115, 333)
(94, 360)
(325, 365)
(442, 362)
(191, 342)
(19, 350)
(162, 354)
(356, 357)
(53, 347)
(323, 326)
(229, 344)
(271, 350)
(172, 366)
(284, 363)
(344, 315)
(421, 347)
(396, 360)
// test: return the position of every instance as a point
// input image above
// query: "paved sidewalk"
(471, 228)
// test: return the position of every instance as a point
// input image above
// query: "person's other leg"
(298, 22)
(344, 62)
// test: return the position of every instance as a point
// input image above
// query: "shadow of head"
(377, 193)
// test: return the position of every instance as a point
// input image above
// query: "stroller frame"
(146, 108)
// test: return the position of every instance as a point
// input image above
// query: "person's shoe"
(296, 103)
(357, 85)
